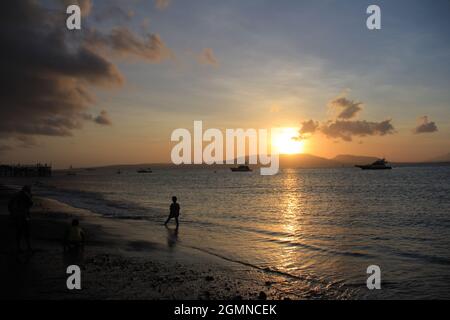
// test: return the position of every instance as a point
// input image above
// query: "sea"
(320, 229)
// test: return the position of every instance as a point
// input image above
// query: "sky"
(112, 92)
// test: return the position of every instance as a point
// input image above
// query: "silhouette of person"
(19, 208)
(74, 237)
(174, 211)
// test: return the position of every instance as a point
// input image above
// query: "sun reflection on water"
(291, 208)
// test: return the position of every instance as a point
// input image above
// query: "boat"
(241, 169)
(144, 171)
(380, 164)
(71, 172)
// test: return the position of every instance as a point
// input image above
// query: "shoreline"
(120, 262)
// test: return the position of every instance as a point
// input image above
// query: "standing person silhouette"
(174, 211)
(19, 208)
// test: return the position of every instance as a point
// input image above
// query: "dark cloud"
(124, 43)
(348, 108)
(425, 126)
(346, 129)
(309, 126)
(342, 127)
(46, 79)
(103, 118)
(49, 72)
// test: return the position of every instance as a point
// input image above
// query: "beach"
(118, 263)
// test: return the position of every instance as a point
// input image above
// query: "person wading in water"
(174, 211)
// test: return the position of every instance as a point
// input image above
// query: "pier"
(37, 170)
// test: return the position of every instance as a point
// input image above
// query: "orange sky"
(88, 101)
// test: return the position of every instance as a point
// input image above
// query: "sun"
(285, 141)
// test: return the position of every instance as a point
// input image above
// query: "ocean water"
(321, 228)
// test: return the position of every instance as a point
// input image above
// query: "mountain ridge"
(304, 160)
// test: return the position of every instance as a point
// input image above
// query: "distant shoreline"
(226, 166)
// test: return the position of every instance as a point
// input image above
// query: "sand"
(120, 262)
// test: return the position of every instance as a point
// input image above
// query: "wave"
(96, 202)
(426, 258)
(319, 287)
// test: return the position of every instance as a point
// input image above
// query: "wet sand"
(119, 262)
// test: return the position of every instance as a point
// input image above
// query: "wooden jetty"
(19, 170)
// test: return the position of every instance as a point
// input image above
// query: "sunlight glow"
(285, 142)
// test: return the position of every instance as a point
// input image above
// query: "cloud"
(49, 73)
(122, 42)
(46, 84)
(103, 118)
(348, 108)
(207, 57)
(346, 129)
(308, 129)
(425, 126)
(309, 126)
(342, 127)
(162, 4)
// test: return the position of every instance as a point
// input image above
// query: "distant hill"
(443, 158)
(286, 161)
(352, 160)
(306, 161)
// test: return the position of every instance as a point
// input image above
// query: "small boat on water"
(71, 172)
(241, 169)
(380, 164)
(148, 170)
